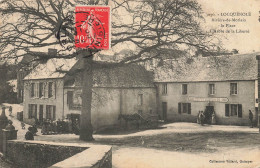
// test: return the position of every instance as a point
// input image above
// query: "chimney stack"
(52, 52)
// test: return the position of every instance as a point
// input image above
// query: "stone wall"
(49, 154)
(38, 155)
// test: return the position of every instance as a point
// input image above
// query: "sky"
(244, 42)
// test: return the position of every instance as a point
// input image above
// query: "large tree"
(148, 26)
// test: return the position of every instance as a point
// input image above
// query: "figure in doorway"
(201, 117)
(213, 118)
(251, 116)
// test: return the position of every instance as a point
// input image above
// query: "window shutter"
(46, 89)
(32, 90)
(230, 89)
(189, 108)
(240, 110)
(37, 90)
(179, 108)
(54, 112)
(40, 89)
(54, 90)
(226, 110)
(47, 111)
(70, 98)
(35, 112)
(30, 111)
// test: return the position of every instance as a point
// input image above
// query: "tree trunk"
(86, 129)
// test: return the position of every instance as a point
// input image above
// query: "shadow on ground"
(189, 142)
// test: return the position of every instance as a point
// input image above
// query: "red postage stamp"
(92, 27)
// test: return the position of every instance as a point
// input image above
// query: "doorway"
(41, 114)
(208, 114)
(164, 110)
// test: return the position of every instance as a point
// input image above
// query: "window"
(70, 98)
(164, 88)
(233, 110)
(41, 89)
(74, 100)
(45, 93)
(140, 99)
(32, 89)
(51, 89)
(233, 88)
(184, 89)
(211, 89)
(36, 90)
(50, 112)
(32, 113)
(184, 108)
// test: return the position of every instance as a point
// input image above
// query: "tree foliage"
(148, 25)
(7, 94)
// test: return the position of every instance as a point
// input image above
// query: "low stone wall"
(97, 156)
(30, 154)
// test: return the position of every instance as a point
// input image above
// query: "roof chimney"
(52, 52)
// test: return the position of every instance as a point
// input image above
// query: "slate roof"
(126, 76)
(129, 75)
(217, 68)
(48, 70)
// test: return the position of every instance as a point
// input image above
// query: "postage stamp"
(92, 25)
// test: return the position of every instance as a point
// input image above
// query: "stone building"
(226, 85)
(177, 90)
(44, 90)
(53, 90)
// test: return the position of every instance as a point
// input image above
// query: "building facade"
(230, 100)
(177, 91)
(53, 95)
(44, 90)
(226, 85)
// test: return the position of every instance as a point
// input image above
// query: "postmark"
(92, 27)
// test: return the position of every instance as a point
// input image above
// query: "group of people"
(32, 130)
(201, 118)
(53, 127)
(59, 126)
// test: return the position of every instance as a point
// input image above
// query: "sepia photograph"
(129, 83)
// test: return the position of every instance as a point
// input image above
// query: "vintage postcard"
(130, 83)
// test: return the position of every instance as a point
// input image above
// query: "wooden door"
(164, 110)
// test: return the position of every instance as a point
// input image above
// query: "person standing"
(29, 134)
(198, 118)
(251, 116)
(202, 118)
(10, 126)
(213, 118)
(10, 110)
(22, 125)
